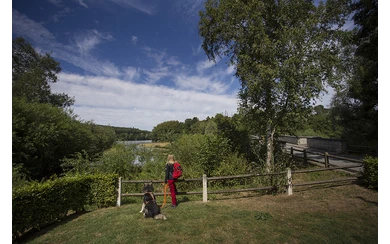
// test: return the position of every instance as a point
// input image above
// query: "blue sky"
(130, 63)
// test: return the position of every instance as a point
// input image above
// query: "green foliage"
(79, 163)
(39, 204)
(232, 165)
(206, 154)
(200, 154)
(167, 131)
(32, 74)
(188, 123)
(119, 160)
(131, 134)
(103, 191)
(19, 179)
(44, 129)
(282, 161)
(212, 153)
(42, 135)
(284, 51)
(210, 127)
(370, 174)
(199, 127)
(320, 123)
(153, 163)
(187, 151)
(355, 105)
(238, 136)
(102, 138)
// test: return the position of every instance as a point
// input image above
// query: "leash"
(152, 195)
(165, 195)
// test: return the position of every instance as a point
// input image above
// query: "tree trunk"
(270, 147)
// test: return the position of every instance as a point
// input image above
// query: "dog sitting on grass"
(150, 209)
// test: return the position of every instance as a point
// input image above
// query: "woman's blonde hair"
(171, 159)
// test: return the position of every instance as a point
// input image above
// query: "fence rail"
(205, 179)
(327, 160)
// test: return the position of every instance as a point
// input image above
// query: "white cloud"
(88, 40)
(79, 54)
(131, 73)
(155, 55)
(156, 74)
(230, 70)
(189, 9)
(57, 3)
(196, 51)
(86, 43)
(76, 53)
(102, 35)
(63, 12)
(204, 65)
(200, 83)
(119, 103)
(145, 6)
(134, 40)
(173, 61)
(81, 2)
(22, 26)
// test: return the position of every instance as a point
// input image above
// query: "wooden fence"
(326, 156)
(288, 173)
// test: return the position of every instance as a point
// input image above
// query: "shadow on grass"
(323, 186)
(33, 233)
(367, 201)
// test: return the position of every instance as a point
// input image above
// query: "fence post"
(289, 182)
(204, 188)
(119, 200)
(304, 156)
(326, 159)
(292, 151)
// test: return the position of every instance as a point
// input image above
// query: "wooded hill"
(131, 134)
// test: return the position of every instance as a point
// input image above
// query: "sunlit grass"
(340, 214)
(156, 145)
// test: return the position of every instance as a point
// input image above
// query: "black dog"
(149, 205)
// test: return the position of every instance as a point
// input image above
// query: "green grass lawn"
(333, 214)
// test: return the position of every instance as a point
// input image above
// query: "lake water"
(134, 142)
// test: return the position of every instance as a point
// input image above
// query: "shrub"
(39, 204)
(370, 174)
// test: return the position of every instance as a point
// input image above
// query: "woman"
(169, 178)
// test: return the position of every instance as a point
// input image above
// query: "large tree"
(356, 105)
(32, 74)
(285, 52)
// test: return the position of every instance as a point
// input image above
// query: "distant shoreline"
(134, 142)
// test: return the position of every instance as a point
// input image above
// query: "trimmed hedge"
(39, 204)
